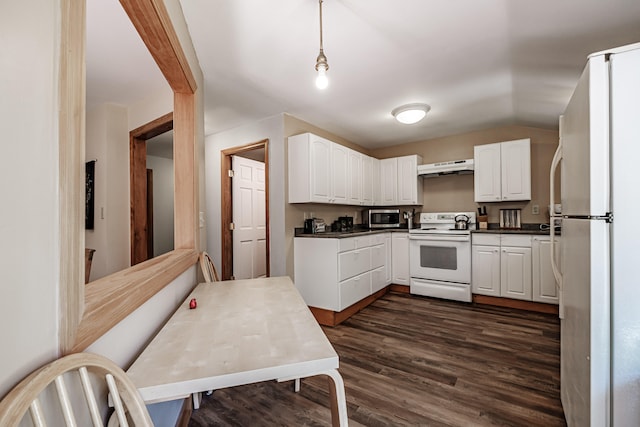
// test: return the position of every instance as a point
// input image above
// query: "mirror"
(124, 86)
(89, 312)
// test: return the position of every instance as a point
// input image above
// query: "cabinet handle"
(498, 198)
(495, 251)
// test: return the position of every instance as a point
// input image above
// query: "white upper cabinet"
(389, 181)
(354, 184)
(409, 185)
(366, 181)
(309, 175)
(503, 171)
(321, 171)
(375, 182)
(399, 182)
(339, 171)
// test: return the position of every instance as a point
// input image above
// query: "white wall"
(107, 142)
(271, 128)
(29, 252)
(162, 204)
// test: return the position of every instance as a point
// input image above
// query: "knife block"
(483, 222)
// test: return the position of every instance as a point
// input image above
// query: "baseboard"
(333, 318)
(514, 303)
(401, 289)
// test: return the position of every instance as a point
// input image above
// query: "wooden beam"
(152, 21)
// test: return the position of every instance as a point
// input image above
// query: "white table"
(241, 332)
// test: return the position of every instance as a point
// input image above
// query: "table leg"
(196, 400)
(296, 385)
(339, 417)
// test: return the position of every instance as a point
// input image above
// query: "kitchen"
(455, 192)
(37, 150)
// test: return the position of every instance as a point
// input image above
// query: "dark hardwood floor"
(409, 360)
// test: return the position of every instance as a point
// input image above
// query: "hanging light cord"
(320, 4)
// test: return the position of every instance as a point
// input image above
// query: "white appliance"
(598, 276)
(446, 168)
(440, 256)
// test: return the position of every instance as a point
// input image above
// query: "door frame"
(140, 228)
(226, 208)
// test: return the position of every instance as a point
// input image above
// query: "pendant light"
(322, 66)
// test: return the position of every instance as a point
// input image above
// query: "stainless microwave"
(383, 218)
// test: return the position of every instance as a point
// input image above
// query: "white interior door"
(249, 218)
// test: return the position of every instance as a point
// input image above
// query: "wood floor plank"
(410, 360)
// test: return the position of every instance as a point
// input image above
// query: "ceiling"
(477, 63)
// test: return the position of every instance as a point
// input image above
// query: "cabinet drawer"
(354, 289)
(486, 239)
(351, 243)
(378, 239)
(378, 256)
(518, 240)
(378, 279)
(353, 263)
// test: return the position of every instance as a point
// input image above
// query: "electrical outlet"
(535, 209)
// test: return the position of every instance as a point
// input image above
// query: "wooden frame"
(86, 313)
(138, 184)
(226, 211)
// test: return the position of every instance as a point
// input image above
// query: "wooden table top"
(241, 332)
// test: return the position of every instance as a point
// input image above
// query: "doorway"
(141, 184)
(250, 252)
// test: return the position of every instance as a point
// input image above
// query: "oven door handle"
(439, 238)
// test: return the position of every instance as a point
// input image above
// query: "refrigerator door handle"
(554, 267)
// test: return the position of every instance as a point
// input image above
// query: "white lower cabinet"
(544, 282)
(334, 274)
(515, 270)
(485, 269)
(512, 266)
(400, 274)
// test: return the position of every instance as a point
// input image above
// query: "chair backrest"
(81, 370)
(208, 269)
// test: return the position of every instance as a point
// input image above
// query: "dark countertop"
(494, 228)
(299, 232)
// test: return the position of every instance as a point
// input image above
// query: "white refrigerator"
(599, 275)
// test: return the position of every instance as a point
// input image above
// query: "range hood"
(453, 167)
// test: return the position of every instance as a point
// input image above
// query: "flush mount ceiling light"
(322, 66)
(410, 113)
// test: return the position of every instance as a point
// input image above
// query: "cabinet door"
(485, 270)
(544, 283)
(375, 182)
(319, 158)
(516, 170)
(487, 173)
(339, 169)
(400, 258)
(366, 181)
(387, 247)
(515, 273)
(389, 181)
(407, 188)
(354, 185)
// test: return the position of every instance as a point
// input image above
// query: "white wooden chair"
(65, 375)
(208, 269)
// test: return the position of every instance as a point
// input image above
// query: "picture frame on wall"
(90, 171)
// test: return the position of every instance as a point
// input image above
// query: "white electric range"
(440, 256)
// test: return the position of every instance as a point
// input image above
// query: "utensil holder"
(510, 218)
(483, 222)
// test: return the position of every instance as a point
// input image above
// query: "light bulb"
(322, 81)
